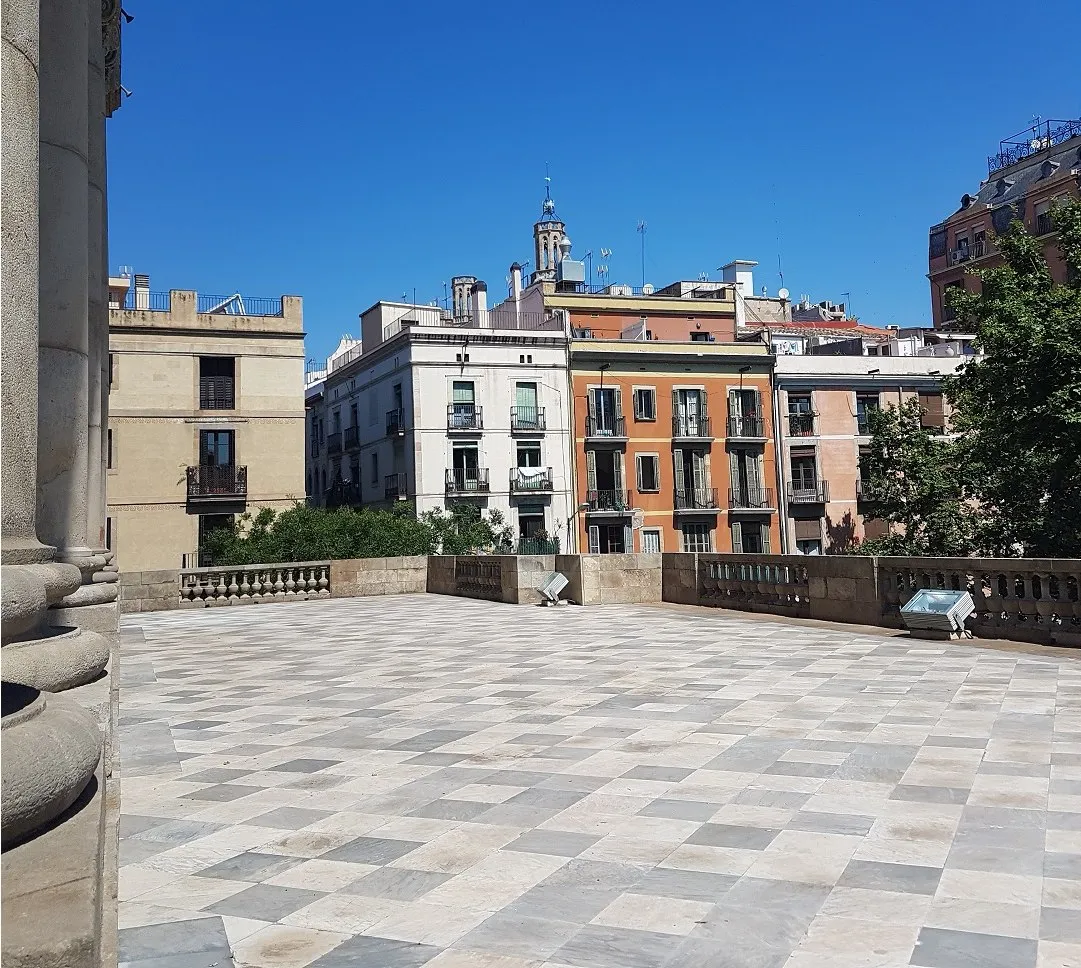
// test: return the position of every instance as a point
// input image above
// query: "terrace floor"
(421, 780)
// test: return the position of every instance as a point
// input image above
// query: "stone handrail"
(254, 584)
(756, 583)
(1029, 599)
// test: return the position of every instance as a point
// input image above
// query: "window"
(605, 412)
(745, 470)
(208, 523)
(463, 406)
(354, 471)
(216, 448)
(750, 538)
(645, 403)
(697, 537)
(526, 415)
(651, 540)
(979, 242)
(649, 473)
(1043, 218)
(353, 417)
(337, 415)
(700, 337)
(948, 313)
(745, 414)
(375, 467)
(865, 404)
(531, 521)
(690, 413)
(112, 371)
(810, 546)
(217, 382)
(804, 472)
(800, 415)
(529, 455)
(109, 462)
(109, 534)
(934, 418)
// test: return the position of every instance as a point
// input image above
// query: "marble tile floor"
(425, 780)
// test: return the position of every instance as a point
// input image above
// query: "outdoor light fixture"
(934, 613)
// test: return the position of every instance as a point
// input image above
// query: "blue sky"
(349, 151)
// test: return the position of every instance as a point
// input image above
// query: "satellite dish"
(782, 293)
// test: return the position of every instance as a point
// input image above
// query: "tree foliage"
(1018, 407)
(304, 533)
(911, 479)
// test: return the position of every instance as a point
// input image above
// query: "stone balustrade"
(755, 583)
(1034, 600)
(254, 584)
(1030, 599)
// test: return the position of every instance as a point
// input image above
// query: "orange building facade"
(1027, 177)
(673, 446)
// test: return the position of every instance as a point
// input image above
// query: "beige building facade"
(206, 417)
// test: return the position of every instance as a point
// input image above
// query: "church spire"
(547, 234)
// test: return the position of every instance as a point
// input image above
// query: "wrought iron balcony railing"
(755, 498)
(396, 487)
(395, 422)
(530, 479)
(748, 425)
(618, 501)
(695, 426)
(527, 419)
(808, 492)
(801, 424)
(465, 416)
(467, 480)
(220, 481)
(696, 499)
(350, 438)
(334, 442)
(612, 427)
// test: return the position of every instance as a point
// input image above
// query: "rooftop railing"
(238, 305)
(154, 302)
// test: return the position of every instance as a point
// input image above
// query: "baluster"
(245, 587)
(324, 582)
(290, 584)
(233, 589)
(279, 585)
(312, 582)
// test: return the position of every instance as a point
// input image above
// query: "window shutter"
(619, 402)
(628, 538)
(677, 464)
(636, 398)
(704, 403)
(698, 463)
(757, 404)
(617, 468)
(735, 404)
(638, 461)
(765, 539)
(737, 537)
(656, 461)
(591, 470)
(591, 402)
(754, 472)
(594, 539)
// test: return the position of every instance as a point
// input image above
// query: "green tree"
(911, 479)
(1018, 407)
(465, 529)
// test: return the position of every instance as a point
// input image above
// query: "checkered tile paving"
(434, 781)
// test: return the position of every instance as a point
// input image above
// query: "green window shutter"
(594, 539)
(463, 391)
(737, 537)
(677, 466)
(698, 463)
(638, 472)
(765, 539)
(591, 470)
(617, 467)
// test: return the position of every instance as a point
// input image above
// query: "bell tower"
(547, 234)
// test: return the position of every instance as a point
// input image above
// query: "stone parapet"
(679, 578)
(149, 591)
(360, 577)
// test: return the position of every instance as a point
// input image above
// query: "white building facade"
(449, 407)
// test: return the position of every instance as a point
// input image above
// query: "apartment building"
(206, 416)
(674, 446)
(438, 406)
(1029, 173)
(822, 407)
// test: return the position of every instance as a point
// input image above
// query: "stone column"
(63, 384)
(97, 286)
(51, 744)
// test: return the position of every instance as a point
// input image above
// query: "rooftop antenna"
(848, 304)
(642, 232)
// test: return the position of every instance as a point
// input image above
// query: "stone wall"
(149, 591)
(359, 577)
(611, 579)
(679, 578)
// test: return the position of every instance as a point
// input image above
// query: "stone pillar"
(51, 744)
(63, 383)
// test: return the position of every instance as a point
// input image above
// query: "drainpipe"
(779, 445)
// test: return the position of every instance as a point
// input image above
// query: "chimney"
(142, 291)
(478, 297)
(515, 292)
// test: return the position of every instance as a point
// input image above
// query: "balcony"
(608, 502)
(696, 499)
(1044, 223)
(750, 427)
(606, 428)
(691, 428)
(351, 438)
(467, 480)
(808, 492)
(527, 420)
(395, 422)
(396, 487)
(750, 498)
(222, 482)
(334, 443)
(869, 491)
(217, 393)
(530, 480)
(802, 424)
(342, 494)
(465, 418)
